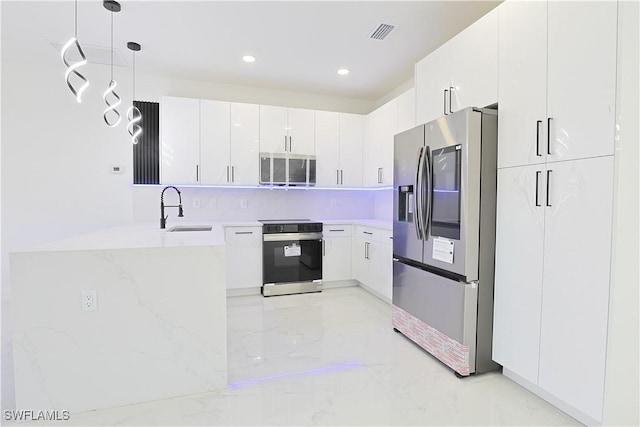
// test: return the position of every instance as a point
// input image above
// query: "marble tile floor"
(333, 359)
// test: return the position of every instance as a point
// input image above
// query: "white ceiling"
(298, 45)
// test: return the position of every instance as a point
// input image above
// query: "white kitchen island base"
(159, 329)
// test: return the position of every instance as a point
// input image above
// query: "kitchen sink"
(189, 228)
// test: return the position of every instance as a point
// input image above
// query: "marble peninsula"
(159, 329)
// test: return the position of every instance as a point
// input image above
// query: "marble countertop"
(149, 235)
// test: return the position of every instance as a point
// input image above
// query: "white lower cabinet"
(336, 252)
(372, 260)
(553, 249)
(244, 257)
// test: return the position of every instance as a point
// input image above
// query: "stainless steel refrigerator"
(444, 237)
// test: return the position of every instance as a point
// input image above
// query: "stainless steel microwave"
(287, 169)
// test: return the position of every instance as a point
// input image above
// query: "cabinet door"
(382, 259)
(432, 78)
(273, 129)
(244, 257)
(336, 264)
(518, 274)
(327, 149)
(359, 262)
(180, 140)
(301, 131)
(214, 142)
(351, 146)
(245, 144)
(581, 78)
(523, 83)
(407, 110)
(389, 128)
(371, 169)
(577, 251)
(474, 64)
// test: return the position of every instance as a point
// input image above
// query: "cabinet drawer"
(372, 233)
(336, 230)
(242, 234)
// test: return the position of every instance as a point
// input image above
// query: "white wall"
(621, 386)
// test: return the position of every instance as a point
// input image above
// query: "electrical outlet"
(213, 203)
(89, 300)
(243, 204)
(196, 203)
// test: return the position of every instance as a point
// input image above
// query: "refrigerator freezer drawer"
(443, 313)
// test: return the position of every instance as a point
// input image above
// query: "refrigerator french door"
(444, 237)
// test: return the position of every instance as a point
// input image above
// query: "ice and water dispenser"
(405, 203)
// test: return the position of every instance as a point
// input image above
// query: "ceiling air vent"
(381, 32)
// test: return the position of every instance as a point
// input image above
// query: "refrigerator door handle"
(417, 200)
(427, 216)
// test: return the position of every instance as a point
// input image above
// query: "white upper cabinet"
(214, 142)
(522, 100)
(351, 128)
(474, 64)
(461, 73)
(557, 81)
(582, 78)
(382, 126)
(407, 110)
(327, 149)
(301, 131)
(245, 144)
(180, 140)
(286, 130)
(339, 138)
(273, 129)
(432, 85)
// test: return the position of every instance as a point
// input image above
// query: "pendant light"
(111, 115)
(133, 113)
(72, 68)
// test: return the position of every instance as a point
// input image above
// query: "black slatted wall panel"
(146, 153)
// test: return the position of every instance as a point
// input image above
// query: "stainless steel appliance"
(287, 169)
(444, 237)
(291, 257)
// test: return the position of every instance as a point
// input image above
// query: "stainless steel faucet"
(163, 219)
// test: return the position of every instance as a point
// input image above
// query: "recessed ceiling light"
(249, 58)
(343, 71)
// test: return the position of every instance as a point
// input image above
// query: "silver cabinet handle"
(341, 177)
(285, 143)
(368, 232)
(444, 103)
(197, 173)
(538, 123)
(244, 232)
(337, 177)
(290, 145)
(548, 182)
(227, 173)
(450, 93)
(324, 251)
(233, 170)
(549, 135)
(336, 229)
(366, 250)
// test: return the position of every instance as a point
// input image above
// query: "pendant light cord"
(112, 45)
(134, 77)
(76, 20)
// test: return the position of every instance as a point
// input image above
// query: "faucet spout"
(163, 218)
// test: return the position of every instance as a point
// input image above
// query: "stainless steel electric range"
(291, 257)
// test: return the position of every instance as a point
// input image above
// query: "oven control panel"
(305, 227)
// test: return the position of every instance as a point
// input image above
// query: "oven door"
(291, 257)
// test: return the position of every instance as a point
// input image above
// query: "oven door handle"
(283, 237)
